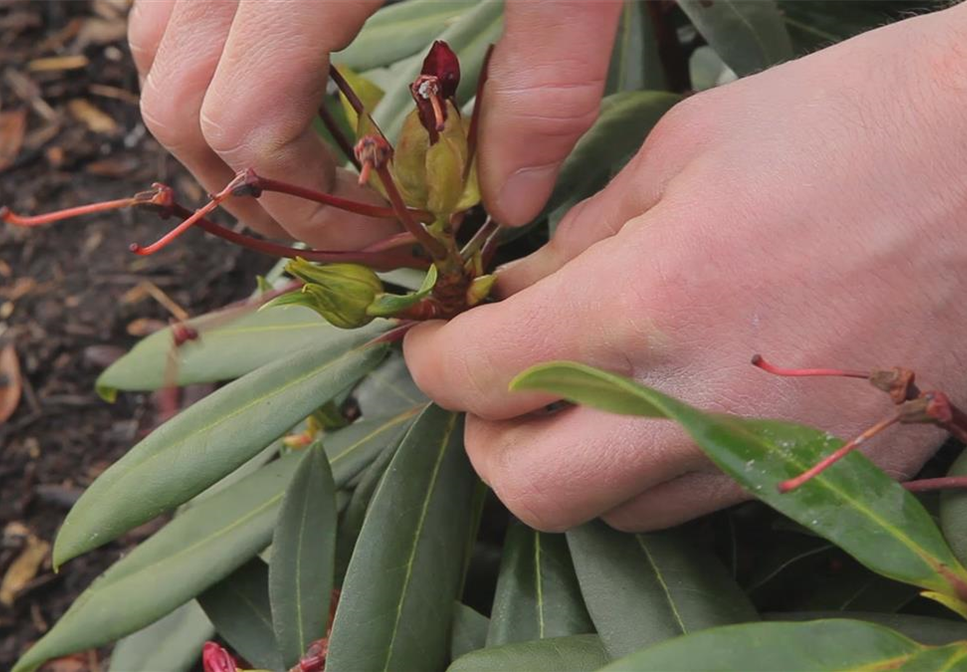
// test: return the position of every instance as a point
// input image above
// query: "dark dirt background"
(72, 298)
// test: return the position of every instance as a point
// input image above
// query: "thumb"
(544, 89)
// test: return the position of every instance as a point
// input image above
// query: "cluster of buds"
(912, 406)
(429, 180)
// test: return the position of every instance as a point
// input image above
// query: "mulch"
(72, 298)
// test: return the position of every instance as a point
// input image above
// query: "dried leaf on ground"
(23, 570)
(13, 124)
(11, 384)
(92, 116)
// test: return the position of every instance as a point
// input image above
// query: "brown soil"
(69, 293)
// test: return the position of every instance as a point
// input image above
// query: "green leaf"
(921, 629)
(239, 607)
(635, 64)
(537, 592)
(303, 547)
(625, 119)
(749, 36)
(853, 504)
(389, 389)
(852, 589)
(194, 551)
(225, 349)
(791, 647)
(644, 588)
(400, 30)
(353, 517)
(468, 36)
(577, 653)
(953, 511)
(815, 24)
(212, 438)
(353, 449)
(469, 630)
(172, 644)
(387, 305)
(405, 572)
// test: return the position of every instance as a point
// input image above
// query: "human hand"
(232, 84)
(811, 213)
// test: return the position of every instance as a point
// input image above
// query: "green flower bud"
(341, 293)
(430, 175)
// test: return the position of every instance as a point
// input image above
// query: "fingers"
(546, 79)
(146, 27)
(174, 88)
(259, 109)
(558, 471)
(468, 362)
(676, 141)
(677, 501)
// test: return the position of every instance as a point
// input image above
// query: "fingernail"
(524, 193)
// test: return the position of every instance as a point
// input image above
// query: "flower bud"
(430, 175)
(341, 293)
(480, 288)
(214, 658)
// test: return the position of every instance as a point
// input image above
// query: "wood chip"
(100, 32)
(28, 91)
(114, 92)
(11, 385)
(91, 116)
(23, 569)
(58, 63)
(13, 125)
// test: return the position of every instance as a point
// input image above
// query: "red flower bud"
(443, 64)
(214, 658)
(436, 84)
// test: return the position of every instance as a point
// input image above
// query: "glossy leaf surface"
(225, 349)
(537, 592)
(577, 653)
(212, 438)
(749, 36)
(197, 549)
(642, 589)
(793, 647)
(303, 555)
(405, 571)
(238, 605)
(853, 504)
(172, 644)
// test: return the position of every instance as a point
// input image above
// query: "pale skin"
(813, 213)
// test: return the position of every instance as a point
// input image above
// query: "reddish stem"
(192, 218)
(268, 184)
(473, 130)
(929, 484)
(836, 456)
(353, 99)
(11, 217)
(432, 245)
(759, 361)
(399, 240)
(336, 132)
(163, 201)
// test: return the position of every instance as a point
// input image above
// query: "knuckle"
(524, 493)
(161, 119)
(221, 132)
